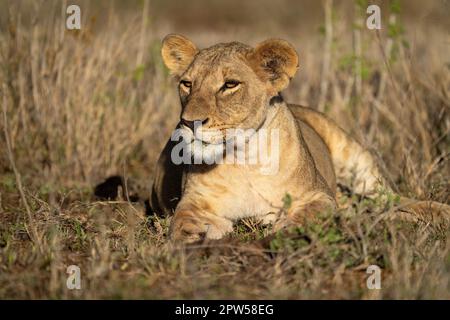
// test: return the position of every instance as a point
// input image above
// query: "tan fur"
(354, 165)
(178, 53)
(206, 199)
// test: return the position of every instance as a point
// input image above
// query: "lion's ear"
(177, 52)
(275, 61)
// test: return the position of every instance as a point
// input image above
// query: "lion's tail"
(423, 211)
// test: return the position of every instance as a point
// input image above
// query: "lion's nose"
(191, 123)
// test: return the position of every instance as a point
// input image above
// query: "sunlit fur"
(313, 149)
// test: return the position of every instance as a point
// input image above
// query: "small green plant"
(287, 201)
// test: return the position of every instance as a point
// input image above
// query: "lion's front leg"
(306, 209)
(192, 223)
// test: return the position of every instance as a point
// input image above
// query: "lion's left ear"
(275, 61)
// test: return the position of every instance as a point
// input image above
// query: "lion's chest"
(244, 204)
(235, 193)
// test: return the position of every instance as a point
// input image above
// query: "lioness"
(232, 85)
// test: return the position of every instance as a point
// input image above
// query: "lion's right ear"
(177, 52)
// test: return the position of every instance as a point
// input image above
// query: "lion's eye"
(185, 83)
(231, 84)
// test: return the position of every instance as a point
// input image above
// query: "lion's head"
(226, 86)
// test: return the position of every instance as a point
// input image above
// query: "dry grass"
(81, 105)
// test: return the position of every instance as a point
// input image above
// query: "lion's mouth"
(207, 143)
(216, 137)
(204, 142)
